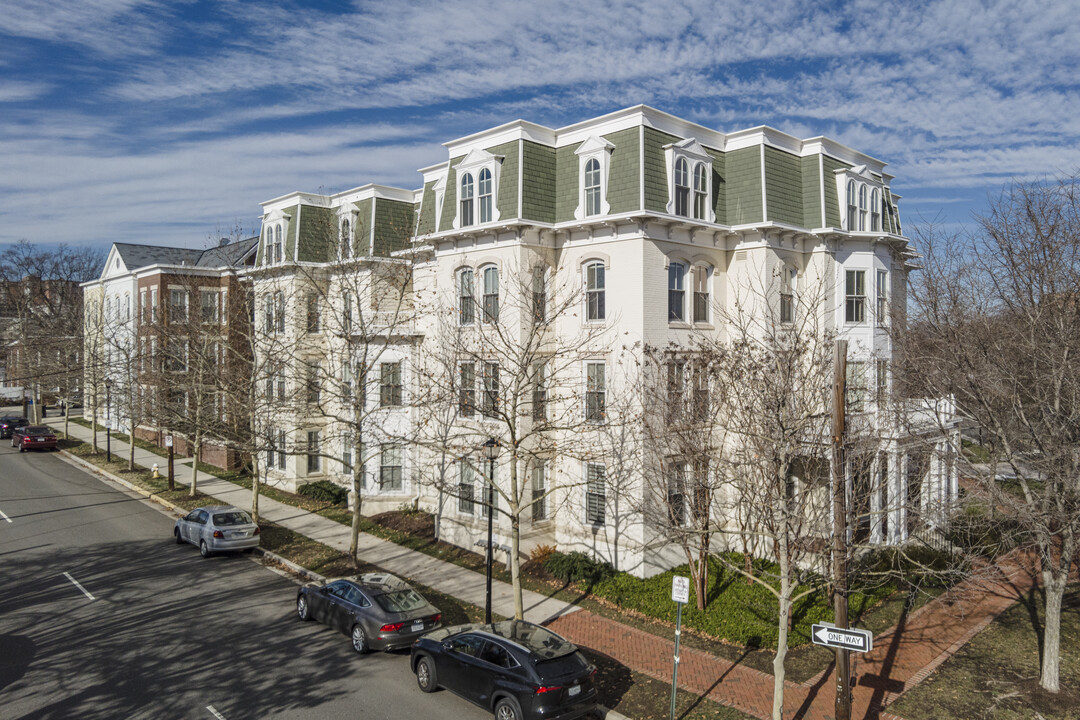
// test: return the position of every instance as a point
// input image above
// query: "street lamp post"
(491, 451)
(108, 421)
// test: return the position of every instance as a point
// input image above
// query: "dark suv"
(518, 670)
(9, 423)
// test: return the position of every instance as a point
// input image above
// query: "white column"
(902, 498)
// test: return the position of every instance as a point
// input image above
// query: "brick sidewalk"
(902, 656)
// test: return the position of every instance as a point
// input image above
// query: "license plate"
(418, 626)
(574, 690)
(237, 534)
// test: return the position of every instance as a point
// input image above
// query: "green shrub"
(325, 491)
(577, 567)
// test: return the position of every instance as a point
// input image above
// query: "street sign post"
(680, 593)
(842, 638)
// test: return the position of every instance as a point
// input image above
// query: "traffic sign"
(168, 441)
(680, 589)
(843, 638)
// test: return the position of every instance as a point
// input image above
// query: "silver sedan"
(217, 528)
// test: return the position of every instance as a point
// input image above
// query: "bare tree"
(41, 312)
(996, 326)
(504, 362)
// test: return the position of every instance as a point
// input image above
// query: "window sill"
(679, 325)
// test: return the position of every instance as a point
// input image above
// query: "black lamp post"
(491, 451)
(108, 420)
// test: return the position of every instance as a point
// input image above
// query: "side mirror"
(447, 645)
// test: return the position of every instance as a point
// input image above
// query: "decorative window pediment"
(593, 177)
(685, 161)
(483, 187)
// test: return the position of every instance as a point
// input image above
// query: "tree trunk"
(354, 533)
(255, 488)
(1054, 585)
(782, 629)
(131, 445)
(701, 578)
(515, 565)
(195, 464)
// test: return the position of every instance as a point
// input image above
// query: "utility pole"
(842, 709)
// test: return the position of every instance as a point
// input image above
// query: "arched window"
(346, 239)
(701, 190)
(592, 187)
(682, 188)
(851, 209)
(484, 195)
(277, 244)
(491, 294)
(595, 287)
(466, 303)
(862, 207)
(466, 200)
(676, 292)
(875, 211)
(268, 246)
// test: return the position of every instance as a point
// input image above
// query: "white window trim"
(273, 219)
(599, 149)
(585, 390)
(593, 259)
(692, 151)
(864, 182)
(350, 214)
(473, 163)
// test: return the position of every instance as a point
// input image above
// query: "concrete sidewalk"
(463, 584)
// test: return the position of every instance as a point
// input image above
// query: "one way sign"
(843, 638)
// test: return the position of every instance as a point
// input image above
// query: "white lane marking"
(4, 516)
(215, 713)
(76, 584)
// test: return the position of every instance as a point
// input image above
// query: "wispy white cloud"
(274, 96)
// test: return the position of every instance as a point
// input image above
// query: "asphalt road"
(167, 633)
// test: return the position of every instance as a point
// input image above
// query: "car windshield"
(236, 517)
(400, 601)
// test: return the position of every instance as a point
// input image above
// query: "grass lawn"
(996, 675)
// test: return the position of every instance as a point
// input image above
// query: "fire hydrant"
(154, 472)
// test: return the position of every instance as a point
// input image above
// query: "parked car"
(33, 437)
(9, 423)
(217, 528)
(517, 670)
(377, 610)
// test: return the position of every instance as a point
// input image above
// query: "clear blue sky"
(160, 122)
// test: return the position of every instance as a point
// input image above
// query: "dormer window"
(485, 195)
(851, 207)
(689, 174)
(465, 215)
(701, 192)
(594, 162)
(346, 239)
(862, 207)
(860, 191)
(592, 187)
(478, 186)
(278, 254)
(682, 187)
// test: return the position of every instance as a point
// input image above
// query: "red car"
(34, 437)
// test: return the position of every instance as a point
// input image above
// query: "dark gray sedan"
(377, 610)
(217, 528)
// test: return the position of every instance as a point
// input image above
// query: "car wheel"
(302, 609)
(359, 639)
(507, 709)
(176, 534)
(204, 550)
(425, 675)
